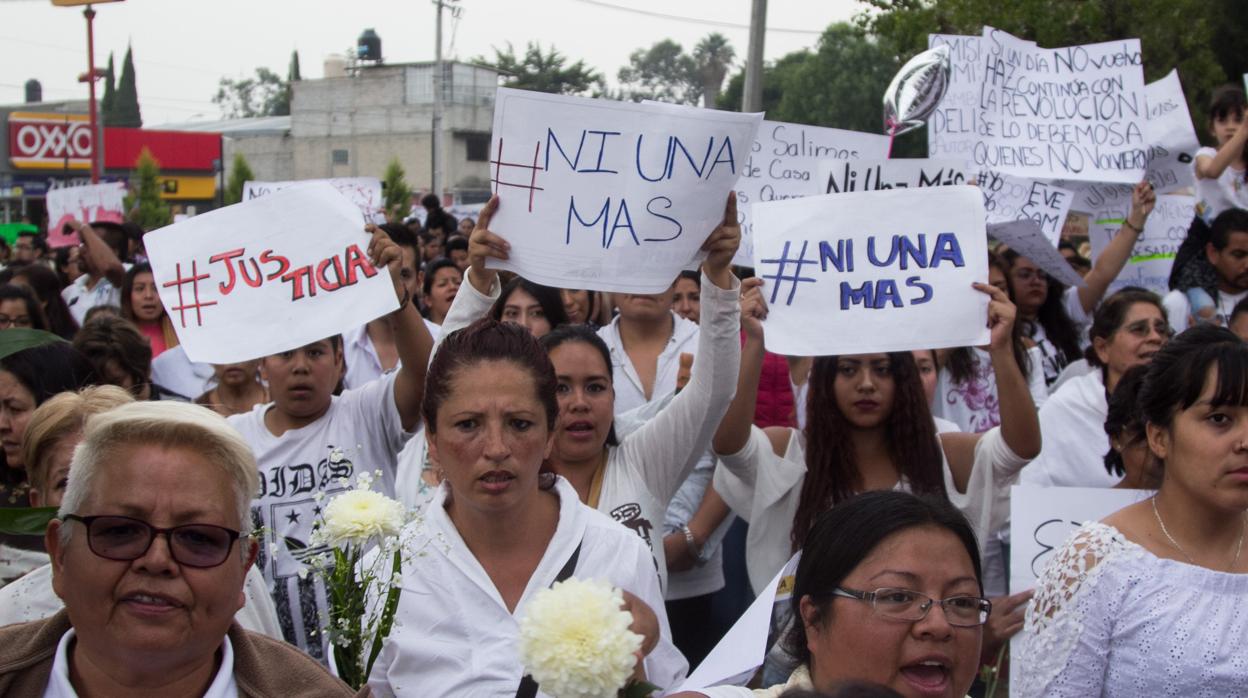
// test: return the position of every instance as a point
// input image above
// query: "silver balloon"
(916, 90)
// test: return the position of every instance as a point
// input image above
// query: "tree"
(125, 112)
(144, 204)
(292, 73)
(712, 58)
(663, 72)
(240, 174)
(544, 71)
(774, 76)
(841, 84)
(267, 94)
(110, 89)
(396, 192)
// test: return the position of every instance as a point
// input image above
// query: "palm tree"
(713, 57)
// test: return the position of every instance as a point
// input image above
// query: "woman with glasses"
(1053, 315)
(150, 552)
(1150, 600)
(888, 591)
(1127, 330)
(20, 308)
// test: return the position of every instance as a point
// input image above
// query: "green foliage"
(26, 521)
(267, 94)
(544, 71)
(110, 89)
(240, 174)
(841, 84)
(125, 107)
(663, 72)
(144, 205)
(396, 192)
(712, 58)
(292, 73)
(774, 77)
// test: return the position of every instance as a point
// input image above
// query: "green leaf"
(387, 613)
(27, 521)
(638, 689)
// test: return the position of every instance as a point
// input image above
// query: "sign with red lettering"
(50, 141)
(94, 202)
(268, 275)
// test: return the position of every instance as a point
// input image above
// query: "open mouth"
(496, 480)
(580, 429)
(929, 677)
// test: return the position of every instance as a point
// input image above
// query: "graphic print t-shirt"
(361, 432)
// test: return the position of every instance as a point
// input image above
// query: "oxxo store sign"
(50, 141)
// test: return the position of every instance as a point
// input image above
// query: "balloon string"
(892, 134)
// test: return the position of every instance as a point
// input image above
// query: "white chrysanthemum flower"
(358, 515)
(575, 641)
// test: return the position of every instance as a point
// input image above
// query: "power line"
(694, 20)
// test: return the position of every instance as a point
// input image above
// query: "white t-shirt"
(453, 635)
(1072, 434)
(361, 432)
(1179, 309)
(1051, 360)
(59, 685)
(628, 389)
(1213, 196)
(361, 356)
(172, 370)
(974, 405)
(80, 300)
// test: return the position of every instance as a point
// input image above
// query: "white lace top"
(1110, 618)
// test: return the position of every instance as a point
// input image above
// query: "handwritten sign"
(295, 259)
(1153, 254)
(873, 271)
(1172, 141)
(1026, 238)
(95, 202)
(1076, 112)
(841, 176)
(364, 192)
(1008, 198)
(782, 164)
(954, 128)
(607, 195)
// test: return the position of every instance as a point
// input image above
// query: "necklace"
(1239, 546)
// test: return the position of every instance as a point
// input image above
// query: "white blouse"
(1110, 618)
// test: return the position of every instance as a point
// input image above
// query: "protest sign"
(94, 202)
(295, 259)
(606, 195)
(364, 192)
(1026, 238)
(873, 271)
(782, 163)
(954, 128)
(1172, 141)
(1153, 254)
(1008, 198)
(841, 176)
(1076, 112)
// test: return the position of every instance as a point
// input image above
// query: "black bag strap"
(528, 687)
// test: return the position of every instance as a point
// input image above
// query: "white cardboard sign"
(1008, 198)
(364, 192)
(843, 176)
(1154, 251)
(295, 260)
(1172, 140)
(94, 202)
(873, 271)
(606, 195)
(1076, 112)
(1026, 238)
(954, 127)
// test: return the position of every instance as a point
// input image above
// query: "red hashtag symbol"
(182, 305)
(499, 164)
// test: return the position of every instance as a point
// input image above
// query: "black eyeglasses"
(124, 539)
(907, 605)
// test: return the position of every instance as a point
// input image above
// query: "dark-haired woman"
(440, 282)
(1127, 330)
(868, 427)
(632, 479)
(20, 308)
(46, 286)
(1150, 601)
(1128, 456)
(536, 307)
(1052, 315)
(140, 304)
(498, 530)
(888, 590)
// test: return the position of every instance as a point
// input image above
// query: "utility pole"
(752, 97)
(439, 72)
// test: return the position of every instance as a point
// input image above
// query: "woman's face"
(586, 401)
(57, 475)
(687, 301)
(16, 405)
(144, 299)
(1224, 128)
(442, 292)
(576, 305)
(1031, 286)
(521, 308)
(864, 389)
(923, 658)
(996, 277)
(491, 438)
(14, 313)
(926, 363)
(1143, 331)
(1205, 451)
(236, 375)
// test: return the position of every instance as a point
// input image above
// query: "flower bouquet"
(575, 642)
(360, 560)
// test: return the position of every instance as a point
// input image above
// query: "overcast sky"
(183, 47)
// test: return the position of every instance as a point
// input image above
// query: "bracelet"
(1127, 222)
(694, 550)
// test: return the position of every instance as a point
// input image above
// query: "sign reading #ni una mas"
(873, 271)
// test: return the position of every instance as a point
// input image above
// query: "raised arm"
(411, 337)
(1115, 255)
(1213, 167)
(99, 255)
(475, 298)
(734, 428)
